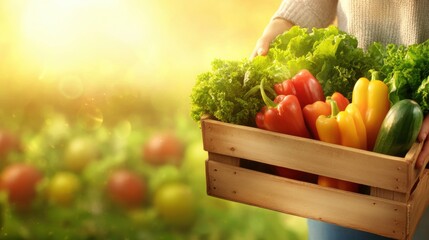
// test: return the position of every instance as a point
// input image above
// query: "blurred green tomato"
(175, 203)
(79, 152)
(143, 217)
(56, 129)
(195, 158)
(63, 188)
(163, 175)
(194, 166)
(20, 182)
(163, 148)
(126, 188)
(2, 216)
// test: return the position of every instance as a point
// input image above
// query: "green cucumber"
(399, 129)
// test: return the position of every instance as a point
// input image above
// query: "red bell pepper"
(260, 118)
(306, 87)
(282, 115)
(285, 88)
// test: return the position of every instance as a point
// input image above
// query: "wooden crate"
(398, 197)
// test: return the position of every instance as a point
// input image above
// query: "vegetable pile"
(368, 122)
(368, 92)
(229, 92)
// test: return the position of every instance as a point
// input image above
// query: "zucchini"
(399, 129)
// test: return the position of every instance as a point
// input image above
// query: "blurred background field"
(87, 85)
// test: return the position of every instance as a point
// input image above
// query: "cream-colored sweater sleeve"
(385, 21)
(308, 13)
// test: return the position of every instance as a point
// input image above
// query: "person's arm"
(276, 27)
(424, 131)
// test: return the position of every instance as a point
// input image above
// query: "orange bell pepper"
(371, 97)
(312, 111)
(344, 128)
(342, 101)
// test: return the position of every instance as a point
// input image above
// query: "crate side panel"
(224, 159)
(353, 210)
(307, 155)
(411, 157)
(387, 194)
(419, 201)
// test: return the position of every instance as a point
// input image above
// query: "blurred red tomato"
(175, 203)
(20, 181)
(8, 142)
(163, 148)
(126, 188)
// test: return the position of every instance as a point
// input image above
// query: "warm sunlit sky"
(159, 45)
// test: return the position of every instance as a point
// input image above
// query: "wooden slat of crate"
(368, 213)
(398, 196)
(419, 201)
(364, 167)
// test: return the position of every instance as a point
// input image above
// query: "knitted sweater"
(386, 21)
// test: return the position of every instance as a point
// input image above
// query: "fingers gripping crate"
(398, 191)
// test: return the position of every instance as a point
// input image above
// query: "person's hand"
(424, 131)
(272, 30)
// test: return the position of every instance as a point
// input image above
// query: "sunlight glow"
(83, 32)
(71, 86)
(50, 22)
(92, 116)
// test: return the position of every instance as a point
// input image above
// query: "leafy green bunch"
(223, 92)
(229, 91)
(405, 70)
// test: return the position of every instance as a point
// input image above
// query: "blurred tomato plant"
(122, 194)
(94, 97)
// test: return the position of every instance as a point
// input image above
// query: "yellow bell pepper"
(371, 97)
(344, 128)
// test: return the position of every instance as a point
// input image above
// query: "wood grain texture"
(308, 155)
(399, 191)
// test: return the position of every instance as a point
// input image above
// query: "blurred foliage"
(119, 71)
(93, 216)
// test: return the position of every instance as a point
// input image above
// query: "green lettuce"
(227, 91)
(405, 69)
